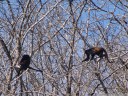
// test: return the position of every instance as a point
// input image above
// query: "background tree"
(54, 33)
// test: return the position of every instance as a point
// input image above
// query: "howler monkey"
(24, 63)
(101, 52)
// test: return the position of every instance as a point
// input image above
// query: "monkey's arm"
(87, 58)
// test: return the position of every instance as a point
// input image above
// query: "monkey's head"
(26, 57)
(86, 51)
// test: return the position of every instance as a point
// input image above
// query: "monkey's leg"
(87, 58)
(92, 56)
(19, 72)
(101, 55)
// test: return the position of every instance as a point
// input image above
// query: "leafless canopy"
(54, 33)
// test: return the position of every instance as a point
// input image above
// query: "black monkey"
(101, 52)
(24, 63)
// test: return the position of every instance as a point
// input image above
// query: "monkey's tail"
(35, 69)
(106, 56)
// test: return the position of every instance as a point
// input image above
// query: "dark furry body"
(101, 52)
(24, 63)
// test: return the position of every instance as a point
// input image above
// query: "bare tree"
(54, 33)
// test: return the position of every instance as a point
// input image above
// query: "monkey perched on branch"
(101, 52)
(24, 64)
